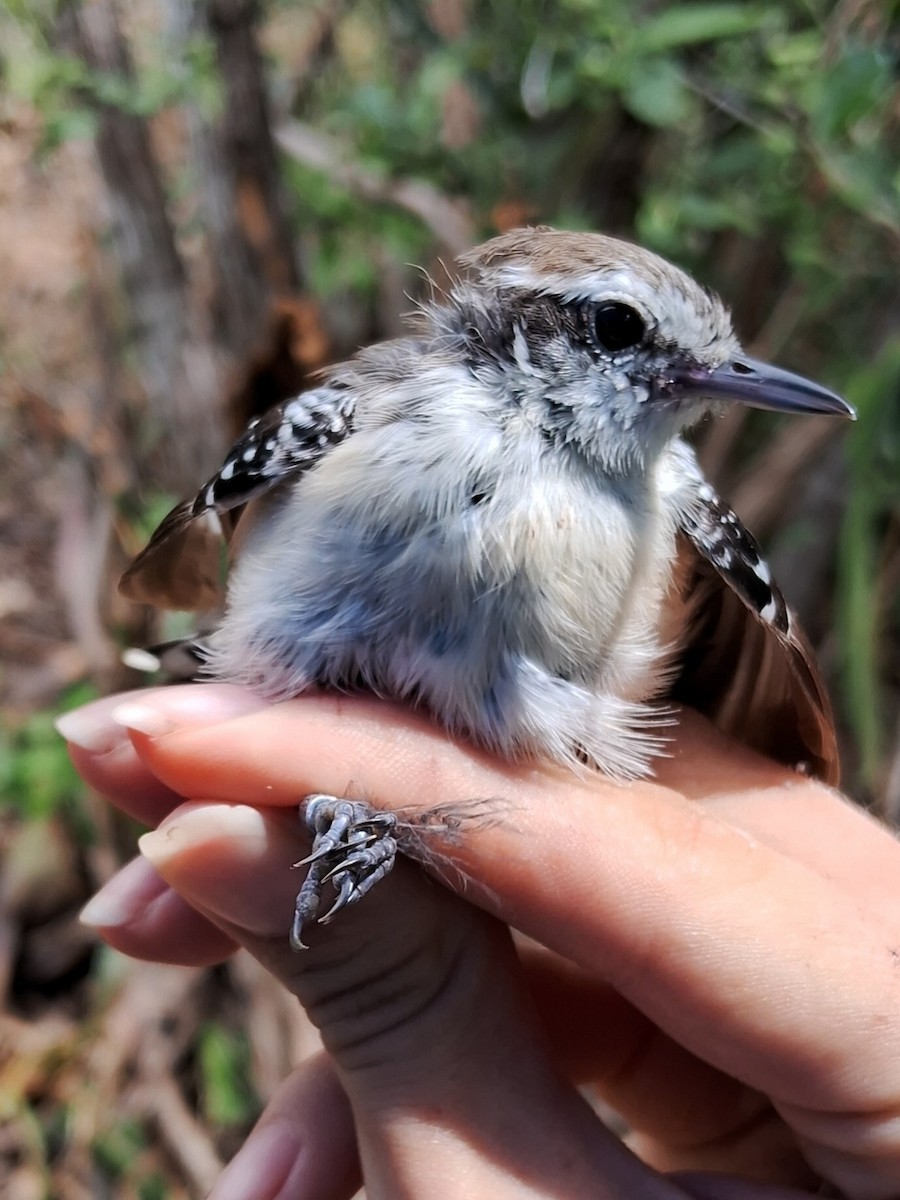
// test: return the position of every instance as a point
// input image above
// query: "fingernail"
(91, 729)
(162, 711)
(143, 718)
(100, 726)
(124, 897)
(194, 824)
(263, 1166)
(163, 844)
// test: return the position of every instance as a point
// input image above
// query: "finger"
(302, 1148)
(812, 823)
(420, 1003)
(804, 819)
(137, 913)
(105, 757)
(601, 1039)
(338, 741)
(688, 1114)
(120, 777)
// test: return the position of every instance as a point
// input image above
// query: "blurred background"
(204, 201)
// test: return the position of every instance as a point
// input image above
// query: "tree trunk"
(176, 370)
(267, 334)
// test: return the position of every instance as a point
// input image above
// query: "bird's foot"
(353, 848)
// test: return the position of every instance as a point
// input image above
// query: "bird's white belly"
(502, 616)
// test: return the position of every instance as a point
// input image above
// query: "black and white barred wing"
(182, 564)
(746, 663)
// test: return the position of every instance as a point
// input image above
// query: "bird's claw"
(353, 848)
(367, 860)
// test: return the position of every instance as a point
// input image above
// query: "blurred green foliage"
(66, 92)
(224, 1067)
(765, 120)
(37, 780)
(745, 103)
(874, 456)
(116, 1149)
(122, 1161)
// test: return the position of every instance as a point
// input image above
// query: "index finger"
(277, 754)
(105, 758)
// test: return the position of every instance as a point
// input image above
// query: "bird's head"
(609, 348)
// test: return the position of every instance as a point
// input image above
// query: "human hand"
(720, 958)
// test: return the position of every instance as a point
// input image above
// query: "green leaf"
(116, 1148)
(860, 178)
(690, 24)
(710, 212)
(793, 50)
(224, 1063)
(656, 93)
(858, 84)
(154, 1187)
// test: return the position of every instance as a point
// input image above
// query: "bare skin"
(716, 953)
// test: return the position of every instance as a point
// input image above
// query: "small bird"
(494, 519)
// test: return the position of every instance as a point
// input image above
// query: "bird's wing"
(745, 662)
(182, 564)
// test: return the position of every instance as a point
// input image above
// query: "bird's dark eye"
(617, 326)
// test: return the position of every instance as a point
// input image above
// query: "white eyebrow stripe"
(521, 353)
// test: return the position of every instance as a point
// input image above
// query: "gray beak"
(749, 381)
